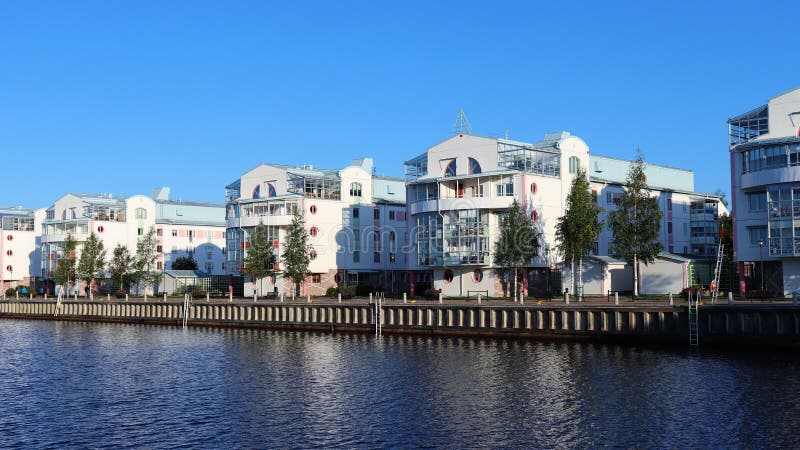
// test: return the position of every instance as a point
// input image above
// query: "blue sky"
(123, 97)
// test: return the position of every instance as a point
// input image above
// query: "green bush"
(331, 291)
(10, 292)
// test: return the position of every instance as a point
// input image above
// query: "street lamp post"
(761, 261)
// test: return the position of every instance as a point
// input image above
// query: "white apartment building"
(19, 242)
(356, 222)
(458, 188)
(183, 228)
(765, 186)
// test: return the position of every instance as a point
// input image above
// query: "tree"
(260, 259)
(92, 261)
(146, 260)
(518, 242)
(184, 263)
(579, 227)
(636, 222)
(121, 266)
(296, 252)
(721, 194)
(65, 267)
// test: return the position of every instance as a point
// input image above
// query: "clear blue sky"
(123, 97)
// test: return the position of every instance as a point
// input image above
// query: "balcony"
(451, 204)
(251, 221)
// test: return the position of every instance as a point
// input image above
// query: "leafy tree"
(92, 261)
(64, 273)
(146, 260)
(636, 222)
(121, 266)
(721, 194)
(260, 259)
(518, 242)
(184, 263)
(579, 227)
(296, 252)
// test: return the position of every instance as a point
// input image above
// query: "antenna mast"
(462, 124)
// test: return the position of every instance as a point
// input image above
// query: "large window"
(141, 213)
(757, 201)
(757, 234)
(271, 190)
(505, 189)
(355, 189)
(257, 192)
(450, 169)
(474, 166)
(770, 156)
(574, 164)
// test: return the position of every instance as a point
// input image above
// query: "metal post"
(616, 298)
(165, 297)
(670, 299)
(730, 297)
(126, 297)
(230, 296)
(479, 298)
(566, 297)
(441, 299)
(208, 297)
(308, 297)
(255, 297)
(339, 297)
(370, 297)
(405, 299)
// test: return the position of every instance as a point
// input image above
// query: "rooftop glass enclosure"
(530, 159)
(15, 223)
(315, 184)
(417, 167)
(455, 238)
(749, 125)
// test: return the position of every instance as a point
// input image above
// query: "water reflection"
(112, 385)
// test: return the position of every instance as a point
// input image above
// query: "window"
(159, 249)
(141, 213)
(505, 189)
(474, 166)
(209, 254)
(174, 233)
(376, 214)
(391, 235)
(392, 257)
(757, 234)
(159, 265)
(391, 215)
(313, 231)
(355, 189)
(669, 229)
(609, 197)
(757, 201)
(377, 257)
(140, 231)
(448, 276)
(209, 234)
(685, 249)
(257, 192)
(669, 204)
(450, 170)
(313, 254)
(574, 164)
(159, 232)
(355, 213)
(271, 190)
(209, 266)
(316, 278)
(356, 256)
(477, 275)
(313, 209)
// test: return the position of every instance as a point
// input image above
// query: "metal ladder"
(694, 327)
(717, 272)
(379, 298)
(186, 300)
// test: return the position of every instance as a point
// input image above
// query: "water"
(75, 385)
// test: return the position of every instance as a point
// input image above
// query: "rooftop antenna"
(462, 125)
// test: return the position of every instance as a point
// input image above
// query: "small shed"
(669, 273)
(177, 280)
(600, 275)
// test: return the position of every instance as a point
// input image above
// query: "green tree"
(579, 227)
(121, 266)
(518, 242)
(296, 252)
(92, 261)
(260, 259)
(721, 194)
(184, 263)
(146, 260)
(64, 273)
(636, 222)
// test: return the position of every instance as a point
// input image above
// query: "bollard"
(308, 297)
(405, 300)
(340, 297)
(479, 298)
(45, 295)
(230, 296)
(521, 299)
(126, 297)
(730, 297)
(76, 296)
(616, 298)
(108, 297)
(165, 297)
(566, 298)
(670, 299)
(440, 298)
(282, 294)
(255, 297)
(370, 297)
(18, 295)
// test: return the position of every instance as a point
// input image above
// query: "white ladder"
(186, 298)
(379, 297)
(694, 328)
(717, 273)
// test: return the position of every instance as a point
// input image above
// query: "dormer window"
(257, 192)
(450, 170)
(271, 190)
(474, 167)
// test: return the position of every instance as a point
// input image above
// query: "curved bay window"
(474, 166)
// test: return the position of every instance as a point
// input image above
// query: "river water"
(81, 385)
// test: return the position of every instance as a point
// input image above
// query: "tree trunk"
(580, 279)
(635, 275)
(572, 276)
(516, 289)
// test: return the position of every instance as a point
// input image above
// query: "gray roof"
(181, 273)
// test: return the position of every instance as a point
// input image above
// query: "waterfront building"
(183, 228)
(764, 146)
(356, 222)
(459, 187)
(19, 241)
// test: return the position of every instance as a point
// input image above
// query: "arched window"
(141, 213)
(477, 275)
(474, 167)
(450, 170)
(64, 215)
(271, 190)
(574, 164)
(355, 189)
(448, 276)
(257, 192)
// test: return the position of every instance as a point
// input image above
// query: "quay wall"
(774, 325)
